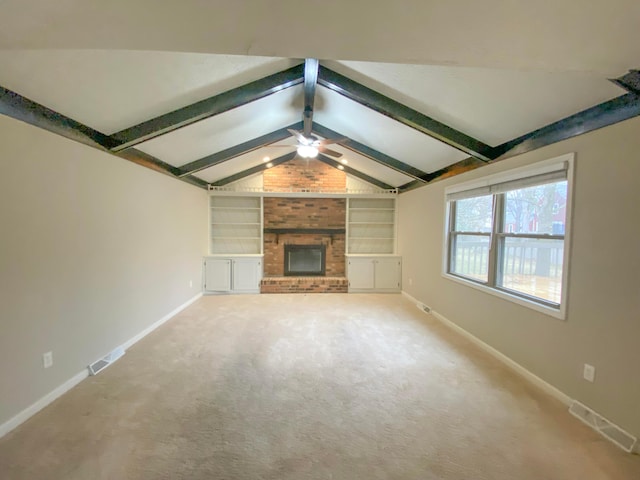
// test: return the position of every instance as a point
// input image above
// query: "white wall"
(93, 249)
(603, 323)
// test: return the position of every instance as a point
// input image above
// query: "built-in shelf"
(238, 238)
(371, 223)
(236, 225)
(371, 226)
(234, 208)
(373, 208)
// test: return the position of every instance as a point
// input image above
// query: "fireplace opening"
(304, 260)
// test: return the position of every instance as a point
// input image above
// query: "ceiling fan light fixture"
(307, 151)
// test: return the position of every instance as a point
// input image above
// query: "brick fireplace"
(304, 222)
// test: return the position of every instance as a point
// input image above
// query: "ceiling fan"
(309, 146)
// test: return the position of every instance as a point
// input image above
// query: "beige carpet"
(307, 387)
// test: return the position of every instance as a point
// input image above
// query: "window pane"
(532, 266)
(539, 209)
(470, 256)
(474, 214)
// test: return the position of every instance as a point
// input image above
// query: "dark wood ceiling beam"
(21, 108)
(629, 81)
(209, 107)
(237, 150)
(403, 114)
(457, 168)
(354, 172)
(254, 170)
(149, 161)
(370, 153)
(607, 113)
(412, 185)
(310, 82)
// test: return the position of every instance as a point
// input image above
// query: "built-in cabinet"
(236, 239)
(374, 273)
(371, 226)
(232, 274)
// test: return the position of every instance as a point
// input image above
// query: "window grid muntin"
(497, 249)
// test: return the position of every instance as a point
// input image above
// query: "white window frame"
(565, 161)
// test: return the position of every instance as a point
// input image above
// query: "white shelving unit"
(371, 226)
(235, 225)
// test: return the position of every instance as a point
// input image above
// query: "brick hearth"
(304, 285)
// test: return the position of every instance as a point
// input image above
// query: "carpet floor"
(337, 386)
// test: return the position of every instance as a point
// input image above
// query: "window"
(507, 234)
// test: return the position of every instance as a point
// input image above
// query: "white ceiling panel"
(228, 129)
(231, 167)
(111, 90)
(251, 159)
(372, 168)
(491, 105)
(382, 133)
(246, 161)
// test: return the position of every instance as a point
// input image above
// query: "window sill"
(558, 313)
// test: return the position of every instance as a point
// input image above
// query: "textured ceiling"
(228, 129)
(493, 105)
(111, 90)
(599, 36)
(510, 68)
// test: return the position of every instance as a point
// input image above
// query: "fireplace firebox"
(305, 260)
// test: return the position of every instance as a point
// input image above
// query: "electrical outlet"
(589, 373)
(410, 281)
(47, 359)
(190, 283)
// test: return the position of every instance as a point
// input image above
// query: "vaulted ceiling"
(212, 117)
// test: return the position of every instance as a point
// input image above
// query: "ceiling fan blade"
(329, 141)
(330, 152)
(301, 138)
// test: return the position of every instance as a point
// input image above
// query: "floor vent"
(423, 307)
(603, 426)
(103, 363)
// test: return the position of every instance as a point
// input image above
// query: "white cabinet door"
(374, 274)
(361, 273)
(387, 273)
(246, 274)
(217, 275)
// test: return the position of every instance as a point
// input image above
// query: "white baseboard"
(516, 367)
(31, 410)
(34, 408)
(155, 325)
